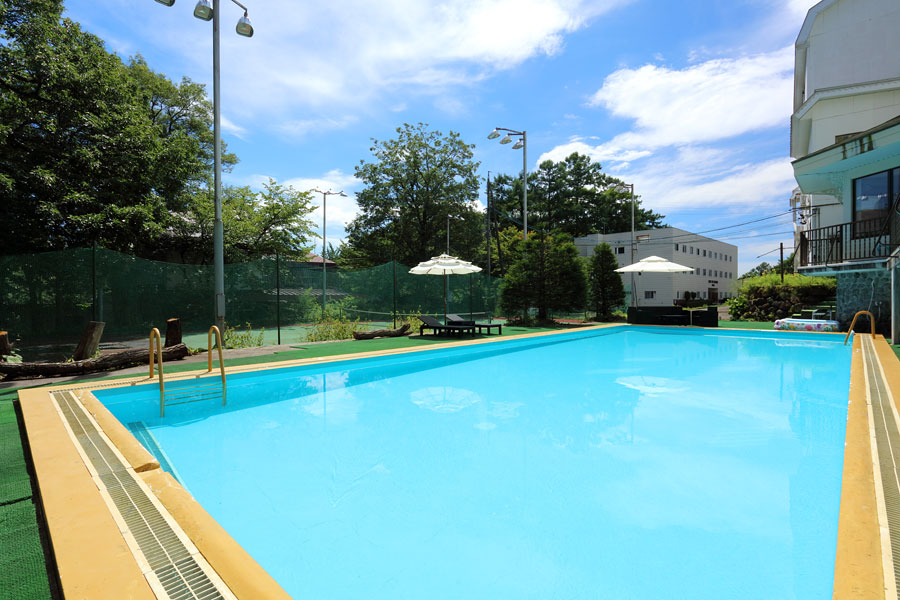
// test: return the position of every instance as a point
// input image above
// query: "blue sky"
(690, 100)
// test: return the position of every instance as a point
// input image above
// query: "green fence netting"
(51, 296)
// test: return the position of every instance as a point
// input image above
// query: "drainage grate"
(174, 564)
(887, 443)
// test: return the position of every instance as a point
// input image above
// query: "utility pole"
(781, 263)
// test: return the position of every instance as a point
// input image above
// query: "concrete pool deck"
(89, 540)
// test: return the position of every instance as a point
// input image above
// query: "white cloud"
(233, 128)
(303, 128)
(340, 210)
(702, 177)
(713, 100)
(601, 153)
(340, 56)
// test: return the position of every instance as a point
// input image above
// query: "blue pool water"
(625, 463)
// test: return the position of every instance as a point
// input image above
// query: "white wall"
(847, 71)
(853, 41)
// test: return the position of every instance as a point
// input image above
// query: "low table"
(488, 326)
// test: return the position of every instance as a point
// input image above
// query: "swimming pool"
(620, 463)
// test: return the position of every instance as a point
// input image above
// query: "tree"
(607, 291)
(256, 224)
(573, 196)
(91, 150)
(760, 269)
(415, 183)
(549, 275)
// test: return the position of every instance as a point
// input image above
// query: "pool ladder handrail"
(154, 337)
(186, 392)
(853, 322)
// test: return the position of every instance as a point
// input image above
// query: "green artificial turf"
(23, 563)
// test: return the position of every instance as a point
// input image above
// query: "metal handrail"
(209, 337)
(886, 228)
(154, 335)
(853, 322)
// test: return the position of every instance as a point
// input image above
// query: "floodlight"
(203, 10)
(491, 136)
(166, 2)
(244, 27)
(506, 139)
(518, 145)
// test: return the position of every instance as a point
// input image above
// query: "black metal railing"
(858, 240)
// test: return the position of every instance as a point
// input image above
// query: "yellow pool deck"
(95, 551)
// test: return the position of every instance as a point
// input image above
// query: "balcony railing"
(859, 240)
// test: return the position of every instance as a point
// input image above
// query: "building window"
(684, 248)
(676, 247)
(620, 249)
(872, 200)
(692, 249)
(649, 294)
(704, 295)
(704, 252)
(704, 272)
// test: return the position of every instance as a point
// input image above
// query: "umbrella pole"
(445, 298)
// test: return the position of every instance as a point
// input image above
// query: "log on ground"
(368, 335)
(109, 362)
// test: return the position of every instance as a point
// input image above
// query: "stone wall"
(855, 292)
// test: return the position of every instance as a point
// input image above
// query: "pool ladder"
(852, 323)
(185, 391)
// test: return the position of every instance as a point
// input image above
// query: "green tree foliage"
(415, 182)
(181, 118)
(256, 224)
(91, 150)
(573, 196)
(549, 275)
(607, 291)
(760, 269)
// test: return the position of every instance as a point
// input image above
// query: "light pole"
(206, 12)
(630, 188)
(523, 144)
(324, 198)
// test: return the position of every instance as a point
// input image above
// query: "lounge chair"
(457, 320)
(437, 327)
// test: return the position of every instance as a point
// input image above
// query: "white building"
(845, 138)
(714, 263)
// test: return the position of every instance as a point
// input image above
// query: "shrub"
(234, 337)
(333, 329)
(765, 298)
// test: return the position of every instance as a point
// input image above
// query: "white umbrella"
(654, 264)
(444, 265)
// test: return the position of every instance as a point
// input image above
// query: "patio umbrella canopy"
(654, 264)
(444, 265)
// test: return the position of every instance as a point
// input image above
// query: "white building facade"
(715, 264)
(845, 139)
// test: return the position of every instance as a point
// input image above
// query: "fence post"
(94, 282)
(278, 295)
(394, 292)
